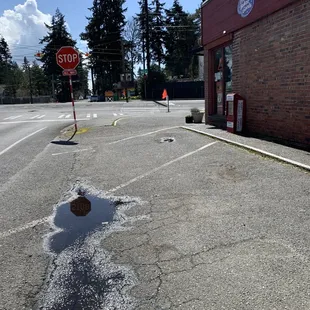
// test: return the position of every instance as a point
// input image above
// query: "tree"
(27, 77)
(57, 37)
(157, 33)
(132, 46)
(5, 60)
(195, 20)
(40, 83)
(104, 37)
(144, 18)
(14, 80)
(181, 38)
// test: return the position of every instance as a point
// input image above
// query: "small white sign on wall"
(230, 125)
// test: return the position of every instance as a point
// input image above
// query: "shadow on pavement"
(64, 142)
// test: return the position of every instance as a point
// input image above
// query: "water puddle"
(79, 218)
(82, 275)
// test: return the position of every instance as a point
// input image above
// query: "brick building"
(261, 50)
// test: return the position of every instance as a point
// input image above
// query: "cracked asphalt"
(217, 227)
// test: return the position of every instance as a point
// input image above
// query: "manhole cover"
(167, 139)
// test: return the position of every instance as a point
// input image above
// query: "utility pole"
(124, 70)
(53, 87)
(143, 59)
(27, 68)
(147, 39)
(30, 84)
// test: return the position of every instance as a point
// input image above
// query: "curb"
(117, 120)
(253, 149)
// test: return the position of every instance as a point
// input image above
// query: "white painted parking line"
(95, 115)
(15, 117)
(143, 135)
(61, 116)
(40, 116)
(41, 121)
(17, 142)
(158, 168)
(10, 117)
(33, 117)
(68, 116)
(24, 227)
(88, 115)
(77, 151)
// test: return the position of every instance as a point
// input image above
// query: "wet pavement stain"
(79, 218)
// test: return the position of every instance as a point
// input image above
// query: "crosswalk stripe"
(95, 115)
(114, 114)
(15, 117)
(88, 115)
(61, 116)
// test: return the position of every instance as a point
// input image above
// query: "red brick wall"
(271, 69)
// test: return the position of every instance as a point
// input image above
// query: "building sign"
(245, 7)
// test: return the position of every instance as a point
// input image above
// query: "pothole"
(82, 275)
(167, 139)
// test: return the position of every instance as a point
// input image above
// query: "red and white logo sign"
(67, 58)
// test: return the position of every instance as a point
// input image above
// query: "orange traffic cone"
(165, 94)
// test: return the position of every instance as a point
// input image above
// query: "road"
(199, 224)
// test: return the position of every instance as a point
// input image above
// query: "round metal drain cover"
(167, 139)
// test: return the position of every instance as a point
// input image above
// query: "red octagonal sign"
(67, 58)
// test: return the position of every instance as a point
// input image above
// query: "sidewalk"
(273, 150)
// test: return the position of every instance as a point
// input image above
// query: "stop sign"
(67, 58)
(80, 206)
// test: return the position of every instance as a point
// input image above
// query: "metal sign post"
(68, 59)
(168, 103)
(73, 107)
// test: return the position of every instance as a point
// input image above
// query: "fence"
(179, 90)
(24, 100)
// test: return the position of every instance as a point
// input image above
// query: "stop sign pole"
(68, 59)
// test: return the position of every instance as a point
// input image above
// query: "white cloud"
(23, 27)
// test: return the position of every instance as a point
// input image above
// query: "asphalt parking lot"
(213, 227)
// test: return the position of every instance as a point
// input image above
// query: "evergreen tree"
(142, 22)
(157, 33)
(104, 36)
(180, 40)
(41, 84)
(26, 85)
(5, 60)
(57, 37)
(195, 20)
(14, 80)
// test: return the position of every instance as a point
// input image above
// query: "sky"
(22, 21)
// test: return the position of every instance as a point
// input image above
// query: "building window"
(222, 77)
